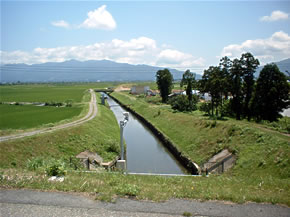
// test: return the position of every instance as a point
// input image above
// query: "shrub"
(181, 103)
(55, 168)
(205, 107)
(113, 147)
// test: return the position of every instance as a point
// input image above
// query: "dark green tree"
(212, 83)
(188, 80)
(272, 93)
(226, 65)
(164, 80)
(236, 83)
(249, 65)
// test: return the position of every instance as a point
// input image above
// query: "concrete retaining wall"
(192, 167)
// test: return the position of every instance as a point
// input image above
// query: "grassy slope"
(261, 155)
(96, 135)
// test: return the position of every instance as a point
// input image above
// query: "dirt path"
(89, 116)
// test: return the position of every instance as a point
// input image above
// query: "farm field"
(65, 143)
(23, 117)
(42, 93)
(30, 116)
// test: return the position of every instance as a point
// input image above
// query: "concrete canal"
(144, 152)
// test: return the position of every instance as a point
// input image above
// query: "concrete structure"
(90, 159)
(121, 165)
(220, 162)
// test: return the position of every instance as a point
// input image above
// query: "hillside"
(283, 65)
(77, 71)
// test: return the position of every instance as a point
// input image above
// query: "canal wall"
(192, 167)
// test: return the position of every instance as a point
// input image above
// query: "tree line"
(233, 89)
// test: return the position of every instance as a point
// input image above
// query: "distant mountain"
(283, 65)
(77, 71)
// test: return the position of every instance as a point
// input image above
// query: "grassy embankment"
(261, 155)
(261, 173)
(100, 134)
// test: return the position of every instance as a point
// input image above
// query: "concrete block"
(121, 165)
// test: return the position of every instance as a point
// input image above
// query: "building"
(139, 89)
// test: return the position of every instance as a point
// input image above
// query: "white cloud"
(140, 50)
(275, 15)
(275, 48)
(61, 23)
(177, 59)
(99, 19)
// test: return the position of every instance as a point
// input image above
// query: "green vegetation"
(100, 135)
(30, 116)
(108, 186)
(260, 154)
(188, 80)
(164, 81)
(261, 100)
(261, 173)
(41, 93)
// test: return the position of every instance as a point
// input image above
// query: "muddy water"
(144, 153)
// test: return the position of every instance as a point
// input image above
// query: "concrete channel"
(147, 149)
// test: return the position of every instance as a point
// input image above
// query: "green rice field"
(41, 93)
(30, 116)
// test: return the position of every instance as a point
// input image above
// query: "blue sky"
(177, 34)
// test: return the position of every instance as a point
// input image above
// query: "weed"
(55, 168)
(187, 214)
(128, 190)
(35, 163)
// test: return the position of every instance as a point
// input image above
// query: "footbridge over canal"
(105, 90)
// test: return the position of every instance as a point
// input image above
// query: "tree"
(213, 82)
(272, 93)
(188, 80)
(226, 64)
(249, 65)
(236, 87)
(164, 82)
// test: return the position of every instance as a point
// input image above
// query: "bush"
(55, 168)
(113, 147)
(205, 107)
(181, 103)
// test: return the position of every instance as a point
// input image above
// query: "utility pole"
(121, 164)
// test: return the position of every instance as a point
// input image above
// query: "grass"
(100, 135)
(261, 155)
(108, 186)
(29, 116)
(261, 173)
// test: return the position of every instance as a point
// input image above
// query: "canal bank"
(190, 166)
(145, 153)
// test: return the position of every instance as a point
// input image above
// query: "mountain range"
(92, 71)
(283, 65)
(77, 71)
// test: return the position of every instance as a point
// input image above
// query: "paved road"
(93, 109)
(34, 203)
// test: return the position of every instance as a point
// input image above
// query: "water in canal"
(144, 153)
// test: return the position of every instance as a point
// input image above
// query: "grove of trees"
(233, 89)
(263, 99)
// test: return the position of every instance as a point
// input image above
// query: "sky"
(176, 34)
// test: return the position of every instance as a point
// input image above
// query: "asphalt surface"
(93, 109)
(35, 203)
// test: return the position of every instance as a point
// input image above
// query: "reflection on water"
(145, 153)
